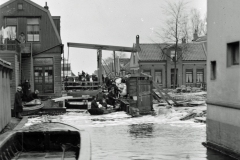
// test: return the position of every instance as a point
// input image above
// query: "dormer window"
(172, 55)
(20, 6)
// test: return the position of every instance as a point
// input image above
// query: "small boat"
(77, 102)
(32, 107)
(100, 111)
(46, 141)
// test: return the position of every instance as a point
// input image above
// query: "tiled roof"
(151, 52)
(194, 52)
(191, 52)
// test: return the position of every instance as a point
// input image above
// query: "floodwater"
(117, 136)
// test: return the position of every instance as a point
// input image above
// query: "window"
(172, 55)
(20, 6)
(189, 76)
(11, 28)
(158, 77)
(33, 30)
(200, 75)
(213, 70)
(11, 33)
(233, 54)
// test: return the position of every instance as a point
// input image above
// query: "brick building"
(154, 59)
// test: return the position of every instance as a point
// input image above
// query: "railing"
(9, 47)
(81, 85)
(23, 48)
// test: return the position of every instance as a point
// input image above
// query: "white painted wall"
(223, 27)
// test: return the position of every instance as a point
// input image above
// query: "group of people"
(111, 97)
(22, 95)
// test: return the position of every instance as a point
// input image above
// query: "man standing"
(18, 108)
(111, 97)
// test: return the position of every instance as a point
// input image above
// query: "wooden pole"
(20, 67)
(100, 66)
(114, 62)
(32, 75)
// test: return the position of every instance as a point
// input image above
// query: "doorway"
(172, 77)
(43, 79)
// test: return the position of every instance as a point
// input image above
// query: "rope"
(67, 61)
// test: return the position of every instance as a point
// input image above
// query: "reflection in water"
(141, 130)
(117, 136)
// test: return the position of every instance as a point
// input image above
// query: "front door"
(43, 79)
(172, 77)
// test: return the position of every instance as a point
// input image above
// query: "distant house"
(154, 59)
(121, 66)
(30, 40)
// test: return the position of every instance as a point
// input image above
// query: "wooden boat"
(78, 102)
(100, 111)
(46, 141)
(32, 107)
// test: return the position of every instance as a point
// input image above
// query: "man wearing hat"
(33, 95)
(18, 108)
(100, 95)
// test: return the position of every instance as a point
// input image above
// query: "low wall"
(5, 100)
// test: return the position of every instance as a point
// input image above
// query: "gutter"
(50, 49)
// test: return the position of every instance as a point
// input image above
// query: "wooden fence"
(5, 100)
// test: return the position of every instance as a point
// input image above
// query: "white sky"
(107, 22)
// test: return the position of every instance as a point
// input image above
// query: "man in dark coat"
(111, 97)
(18, 108)
(33, 95)
(26, 90)
(94, 104)
(100, 95)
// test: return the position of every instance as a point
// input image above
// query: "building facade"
(223, 98)
(30, 40)
(157, 61)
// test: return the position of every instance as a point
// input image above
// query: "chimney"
(137, 41)
(183, 40)
(195, 35)
(46, 7)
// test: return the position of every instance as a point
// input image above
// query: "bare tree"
(175, 29)
(199, 25)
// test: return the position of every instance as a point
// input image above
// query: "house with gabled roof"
(156, 60)
(30, 39)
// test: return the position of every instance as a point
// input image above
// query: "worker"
(33, 95)
(111, 97)
(94, 104)
(18, 108)
(26, 89)
(100, 95)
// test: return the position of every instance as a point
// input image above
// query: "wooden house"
(30, 40)
(5, 109)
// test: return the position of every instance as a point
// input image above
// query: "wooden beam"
(101, 47)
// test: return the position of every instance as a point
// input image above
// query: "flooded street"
(118, 136)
